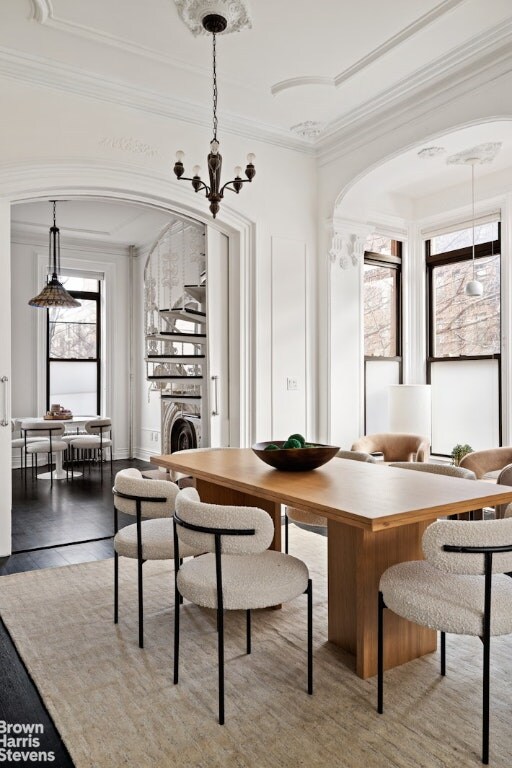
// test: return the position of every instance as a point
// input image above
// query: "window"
(382, 327)
(73, 343)
(464, 341)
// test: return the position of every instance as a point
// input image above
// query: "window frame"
(452, 257)
(79, 295)
(393, 261)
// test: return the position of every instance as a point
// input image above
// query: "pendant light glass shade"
(54, 294)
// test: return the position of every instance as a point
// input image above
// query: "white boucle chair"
(48, 436)
(462, 587)
(238, 572)
(150, 539)
(97, 439)
(22, 442)
(302, 516)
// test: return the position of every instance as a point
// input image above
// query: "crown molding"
(381, 50)
(41, 71)
(388, 45)
(486, 57)
(25, 235)
(43, 13)
(463, 69)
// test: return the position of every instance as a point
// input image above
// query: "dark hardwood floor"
(71, 523)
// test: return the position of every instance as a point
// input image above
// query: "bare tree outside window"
(380, 303)
(466, 325)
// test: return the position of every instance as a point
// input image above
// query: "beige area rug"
(115, 705)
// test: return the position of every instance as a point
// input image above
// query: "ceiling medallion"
(482, 153)
(310, 129)
(429, 152)
(236, 13)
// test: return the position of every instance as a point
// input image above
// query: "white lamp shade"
(410, 409)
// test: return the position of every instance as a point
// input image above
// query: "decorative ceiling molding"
(298, 82)
(404, 34)
(42, 11)
(129, 144)
(427, 153)
(381, 50)
(484, 58)
(192, 13)
(45, 72)
(482, 153)
(310, 129)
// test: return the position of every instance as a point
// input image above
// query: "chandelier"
(214, 192)
(54, 294)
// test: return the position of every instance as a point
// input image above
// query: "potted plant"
(459, 451)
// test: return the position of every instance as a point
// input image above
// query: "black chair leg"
(220, 626)
(116, 587)
(380, 655)
(248, 630)
(443, 654)
(310, 636)
(286, 533)
(485, 700)
(141, 601)
(177, 603)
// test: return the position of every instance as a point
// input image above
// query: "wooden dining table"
(376, 517)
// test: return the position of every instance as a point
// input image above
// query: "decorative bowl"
(294, 459)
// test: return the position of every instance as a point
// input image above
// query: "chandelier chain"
(215, 92)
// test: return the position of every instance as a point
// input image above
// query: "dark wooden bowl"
(295, 459)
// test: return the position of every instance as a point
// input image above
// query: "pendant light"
(474, 287)
(54, 294)
(215, 23)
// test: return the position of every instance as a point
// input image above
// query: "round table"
(59, 473)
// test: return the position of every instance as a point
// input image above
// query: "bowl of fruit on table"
(294, 454)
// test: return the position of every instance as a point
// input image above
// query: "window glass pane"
(379, 244)
(72, 331)
(379, 374)
(466, 325)
(380, 311)
(74, 386)
(79, 283)
(457, 390)
(463, 238)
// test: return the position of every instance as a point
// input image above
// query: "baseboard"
(143, 454)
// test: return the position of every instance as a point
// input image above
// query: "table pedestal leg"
(356, 560)
(58, 472)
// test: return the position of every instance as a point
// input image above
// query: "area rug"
(115, 705)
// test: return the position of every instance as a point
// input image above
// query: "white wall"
(71, 154)
(27, 351)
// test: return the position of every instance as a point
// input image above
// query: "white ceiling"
(299, 62)
(330, 63)
(103, 222)
(409, 179)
